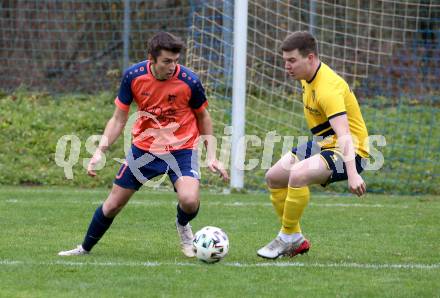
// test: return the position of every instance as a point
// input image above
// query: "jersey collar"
(316, 72)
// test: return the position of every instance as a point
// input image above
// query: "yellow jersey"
(326, 96)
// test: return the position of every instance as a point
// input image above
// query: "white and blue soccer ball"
(211, 244)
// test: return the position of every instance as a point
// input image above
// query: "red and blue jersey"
(166, 109)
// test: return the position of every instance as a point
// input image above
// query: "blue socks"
(184, 218)
(98, 226)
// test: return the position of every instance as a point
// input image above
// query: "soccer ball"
(210, 244)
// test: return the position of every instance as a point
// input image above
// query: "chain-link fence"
(76, 45)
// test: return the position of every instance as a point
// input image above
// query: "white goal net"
(374, 45)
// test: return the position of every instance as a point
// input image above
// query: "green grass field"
(377, 246)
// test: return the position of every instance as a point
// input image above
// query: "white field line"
(149, 191)
(226, 204)
(228, 264)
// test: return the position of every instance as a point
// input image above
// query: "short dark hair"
(302, 41)
(164, 41)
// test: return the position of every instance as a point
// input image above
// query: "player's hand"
(217, 167)
(357, 185)
(96, 158)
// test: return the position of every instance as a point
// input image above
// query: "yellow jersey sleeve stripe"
(318, 128)
(327, 133)
(336, 115)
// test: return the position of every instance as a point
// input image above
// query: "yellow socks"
(278, 198)
(296, 202)
(289, 204)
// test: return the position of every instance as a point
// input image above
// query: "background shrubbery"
(32, 123)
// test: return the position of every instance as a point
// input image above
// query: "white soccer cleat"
(186, 239)
(278, 248)
(78, 251)
(275, 249)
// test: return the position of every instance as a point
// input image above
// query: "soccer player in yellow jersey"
(338, 151)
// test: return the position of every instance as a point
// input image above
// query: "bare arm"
(112, 131)
(204, 123)
(355, 182)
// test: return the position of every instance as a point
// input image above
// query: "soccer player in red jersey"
(171, 117)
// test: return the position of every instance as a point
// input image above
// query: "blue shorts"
(141, 166)
(332, 157)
